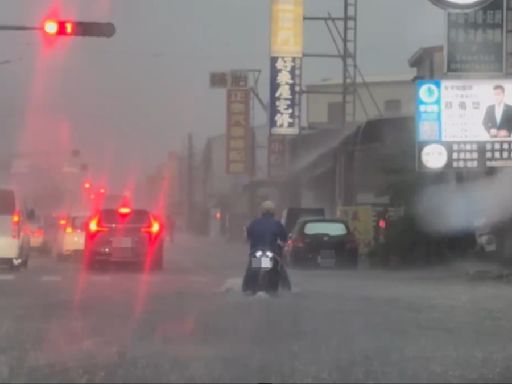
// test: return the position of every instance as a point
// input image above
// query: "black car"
(321, 242)
(124, 235)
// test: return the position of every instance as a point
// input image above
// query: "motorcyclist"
(267, 232)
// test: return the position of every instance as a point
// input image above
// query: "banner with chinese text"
(287, 24)
(285, 88)
(276, 157)
(238, 135)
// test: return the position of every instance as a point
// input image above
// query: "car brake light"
(153, 228)
(15, 225)
(351, 241)
(124, 210)
(94, 226)
(298, 242)
(16, 218)
(38, 233)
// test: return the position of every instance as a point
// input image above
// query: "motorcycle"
(262, 274)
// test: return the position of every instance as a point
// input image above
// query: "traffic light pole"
(18, 28)
(68, 28)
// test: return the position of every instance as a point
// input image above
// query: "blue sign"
(285, 89)
(428, 111)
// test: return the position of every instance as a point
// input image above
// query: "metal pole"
(18, 28)
(359, 72)
(345, 63)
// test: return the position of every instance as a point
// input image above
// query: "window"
(331, 228)
(393, 106)
(137, 217)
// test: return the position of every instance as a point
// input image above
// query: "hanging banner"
(238, 135)
(285, 88)
(276, 157)
(287, 28)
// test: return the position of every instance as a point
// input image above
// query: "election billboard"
(464, 123)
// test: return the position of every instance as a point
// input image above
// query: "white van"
(14, 250)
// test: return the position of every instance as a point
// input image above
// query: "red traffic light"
(383, 224)
(51, 27)
(78, 28)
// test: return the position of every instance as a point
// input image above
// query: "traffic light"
(55, 27)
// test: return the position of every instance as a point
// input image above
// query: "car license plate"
(121, 242)
(327, 258)
(266, 262)
(263, 262)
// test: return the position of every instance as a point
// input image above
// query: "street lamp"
(460, 5)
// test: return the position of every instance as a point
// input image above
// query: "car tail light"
(94, 226)
(153, 228)
(351, 241)
(298, 242)
(68, 230)
(63, 222)
(16, 218)
(16, 225)
(39, 233)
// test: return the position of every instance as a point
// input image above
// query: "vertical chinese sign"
(475, 41)
(239, 134)
(286, 66)
(276, 157)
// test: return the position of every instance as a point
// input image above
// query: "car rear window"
(136, 217)
(7, 202)
(331, 228)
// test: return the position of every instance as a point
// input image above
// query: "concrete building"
(428, 62)
(386, 95)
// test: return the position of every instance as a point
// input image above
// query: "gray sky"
(141, 91)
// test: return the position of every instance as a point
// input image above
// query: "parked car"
(14, 244)
(124, 235)
(71, 239)
(34, 229)
(291, 216)
(321, 242)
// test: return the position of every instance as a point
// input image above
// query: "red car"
(124, 235)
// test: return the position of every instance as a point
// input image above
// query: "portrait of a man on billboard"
(498, 116)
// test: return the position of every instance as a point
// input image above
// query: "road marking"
(7, 277)
(51, 278)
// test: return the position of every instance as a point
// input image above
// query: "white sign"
(434, 156)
